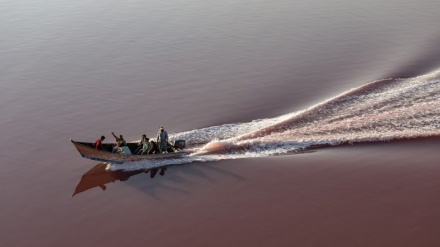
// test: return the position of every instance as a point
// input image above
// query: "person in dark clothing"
(98, 143)
(154, 148)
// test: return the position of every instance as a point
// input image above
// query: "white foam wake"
(382, 110)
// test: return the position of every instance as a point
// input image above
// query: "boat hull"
(88, 152)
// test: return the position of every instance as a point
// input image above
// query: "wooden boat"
(87, 150)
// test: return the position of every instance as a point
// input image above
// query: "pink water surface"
(86, 68)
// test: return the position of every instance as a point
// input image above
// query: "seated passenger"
(120, 142)
(140, 144)
(154, 149)
(145, 147)
(98, 143)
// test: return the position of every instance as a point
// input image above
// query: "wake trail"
(378, 111)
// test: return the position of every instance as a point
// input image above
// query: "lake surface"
(263, 78)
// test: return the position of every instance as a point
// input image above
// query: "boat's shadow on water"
(99, 176)
(149, 181)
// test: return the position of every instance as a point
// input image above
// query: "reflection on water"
(99, 176)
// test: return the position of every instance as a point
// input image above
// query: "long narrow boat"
(87, 150)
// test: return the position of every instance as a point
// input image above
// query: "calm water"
(85, 68)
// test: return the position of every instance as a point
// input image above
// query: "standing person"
(162, 139)
(98, 143)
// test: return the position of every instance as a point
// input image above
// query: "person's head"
(144, 136)
(161, 129)
(120, 137)
(102, 138)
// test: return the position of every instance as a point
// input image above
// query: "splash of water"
(381, 110)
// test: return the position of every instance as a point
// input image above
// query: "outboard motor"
(179, 144)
